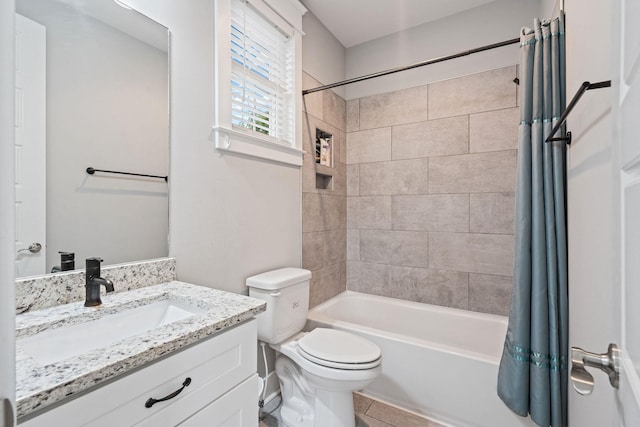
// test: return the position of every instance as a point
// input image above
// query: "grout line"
(427, 85)
(469, 133)
(428, 249)
(469, 216)
(359, 115)
(428, 180)
(468, 291)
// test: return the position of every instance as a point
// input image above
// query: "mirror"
(91, 91)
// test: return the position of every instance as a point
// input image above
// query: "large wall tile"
(431, 138)
(492, 213)
(490, 294)
(395, 177)
(353, 180)
(335, 246)
(394, 108)
(491, 90)
(437, 212)
(369, 278)
(334, 109)
(353, 115)
(473, 173)
(337, 207)
(447, 288)
(430, 191)
(326, 283)
(353, 210)
(371, 212)
(339, 180)
(494, 130)
(473, 253)
(407, 248)
(312, 100)
(312, 215)
(369, 146)
(309, 124)
(308, 173)
(313, 250)
(340, 146)
(323, 212)
(353, 244)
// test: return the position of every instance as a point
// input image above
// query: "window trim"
(229, 139)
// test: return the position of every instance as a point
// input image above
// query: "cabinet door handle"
(7, 408)
(151, 401)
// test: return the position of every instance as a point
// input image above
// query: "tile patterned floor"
(369, 413)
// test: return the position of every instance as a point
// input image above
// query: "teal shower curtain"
(532, 378)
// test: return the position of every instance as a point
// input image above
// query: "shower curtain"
(532, 378)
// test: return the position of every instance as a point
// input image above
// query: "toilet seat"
(339, 350)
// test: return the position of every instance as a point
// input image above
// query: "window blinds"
(261, 75)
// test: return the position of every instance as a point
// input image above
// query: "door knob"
(607, 362)
(34, 248)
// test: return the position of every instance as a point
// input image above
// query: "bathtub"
(436, 361)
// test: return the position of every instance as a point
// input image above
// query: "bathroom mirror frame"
(127, 214)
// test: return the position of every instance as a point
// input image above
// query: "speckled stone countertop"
(41, 385)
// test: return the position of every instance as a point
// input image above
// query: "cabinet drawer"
(215, 365)
(237, 408)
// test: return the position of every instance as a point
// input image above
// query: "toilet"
(318, 370)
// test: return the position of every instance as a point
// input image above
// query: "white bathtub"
(436, 361)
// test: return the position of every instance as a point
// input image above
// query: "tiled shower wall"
(430, 186)
(324, 211)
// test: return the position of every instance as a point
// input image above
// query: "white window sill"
(232, 141)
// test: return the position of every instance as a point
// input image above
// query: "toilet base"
(306, 405)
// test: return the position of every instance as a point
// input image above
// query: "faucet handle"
(93, 263)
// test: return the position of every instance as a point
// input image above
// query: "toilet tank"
(286, 292)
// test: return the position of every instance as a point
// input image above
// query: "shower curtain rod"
(409, 67)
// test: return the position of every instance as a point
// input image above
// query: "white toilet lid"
(338, 349)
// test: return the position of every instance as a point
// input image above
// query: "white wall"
(230, 217)
(590, 198)
(7, 239)
(323, 56)
(549, 8)
(107, 107)
(491, 23)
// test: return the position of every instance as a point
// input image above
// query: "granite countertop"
(40, 385)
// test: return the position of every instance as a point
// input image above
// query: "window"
(261, 74)
(257, 81)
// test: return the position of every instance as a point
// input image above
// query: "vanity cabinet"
(222, 390)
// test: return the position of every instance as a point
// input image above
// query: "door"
(30, 149)
(626, 151)
(604, 205)
(7, 240)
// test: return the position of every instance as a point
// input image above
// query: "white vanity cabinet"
(222, 391)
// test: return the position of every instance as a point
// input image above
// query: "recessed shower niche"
(324, 160)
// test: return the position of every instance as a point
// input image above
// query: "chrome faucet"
(93, 283)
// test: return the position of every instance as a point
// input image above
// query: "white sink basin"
(61, 343)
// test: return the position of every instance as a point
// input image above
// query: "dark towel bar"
(91, 171)
(583, 88)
